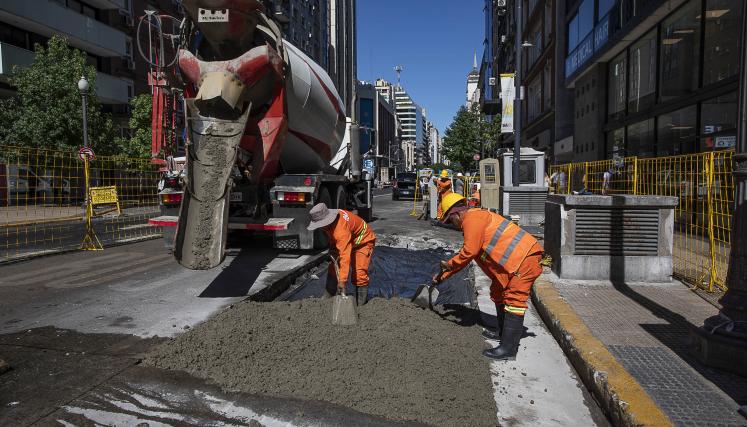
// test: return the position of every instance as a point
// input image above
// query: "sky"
(433, 40)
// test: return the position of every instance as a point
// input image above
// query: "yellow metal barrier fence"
(43, 201)
(702, 182)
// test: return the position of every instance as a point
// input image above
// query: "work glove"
(445, 266)
(341, 289)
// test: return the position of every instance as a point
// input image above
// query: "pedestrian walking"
(351, 242)
(507, 254)
(606, 180)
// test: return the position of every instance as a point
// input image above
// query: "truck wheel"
(341, 198)
(321, 241)
(366, 214)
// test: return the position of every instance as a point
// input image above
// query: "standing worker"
(508, 255)
(444, 188)
(351, 243)
(459, 184)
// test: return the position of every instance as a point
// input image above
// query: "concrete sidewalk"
(539, 388)
(630, 343)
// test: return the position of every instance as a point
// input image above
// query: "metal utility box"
(490, 183)
(526, 200)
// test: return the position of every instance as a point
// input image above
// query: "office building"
(377, 118)
(105, 30)
(412, 120)
(653, 78)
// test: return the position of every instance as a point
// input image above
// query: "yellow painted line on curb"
(621, 396)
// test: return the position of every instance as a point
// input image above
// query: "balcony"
(48, 18)
(109, 89)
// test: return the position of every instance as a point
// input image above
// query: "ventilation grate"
(287, 242)
(617, 232)
(526, 203)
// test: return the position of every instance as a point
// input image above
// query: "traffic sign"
(86, 152)
(368, 164)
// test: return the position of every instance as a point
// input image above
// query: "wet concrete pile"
(399, 362)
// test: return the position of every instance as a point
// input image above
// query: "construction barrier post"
(90, 240)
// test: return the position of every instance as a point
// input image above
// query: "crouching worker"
(508, 255)
(351, 243)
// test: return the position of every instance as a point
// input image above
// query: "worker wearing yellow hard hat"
(507, 254)
(444, 188)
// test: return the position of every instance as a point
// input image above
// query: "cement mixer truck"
(267, 135)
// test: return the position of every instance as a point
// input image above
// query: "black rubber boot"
(513, 327)
(495, 334)
(361, 295)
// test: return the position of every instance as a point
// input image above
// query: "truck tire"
(321, 241)
(341, 198)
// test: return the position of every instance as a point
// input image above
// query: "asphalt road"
(74, 326)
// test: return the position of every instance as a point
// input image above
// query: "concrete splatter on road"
(400, 362)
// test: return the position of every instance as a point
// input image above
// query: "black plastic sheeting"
(397, 273)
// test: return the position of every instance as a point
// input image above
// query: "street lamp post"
(519, 95)
(83, 88)
(722, 340)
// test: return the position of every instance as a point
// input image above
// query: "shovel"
(343, 306)
(426, 295)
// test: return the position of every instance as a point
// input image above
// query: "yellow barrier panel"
(702, 182)
(43, 200)
(105, 196)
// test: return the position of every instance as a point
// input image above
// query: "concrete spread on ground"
(400, 361)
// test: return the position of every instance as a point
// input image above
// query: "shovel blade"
(343, 311)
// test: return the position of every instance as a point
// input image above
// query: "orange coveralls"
(444, 188)
(506, 253)
(352, 242)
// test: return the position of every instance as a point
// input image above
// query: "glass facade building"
(672, 90)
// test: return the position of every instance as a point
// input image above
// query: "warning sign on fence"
(105, 196)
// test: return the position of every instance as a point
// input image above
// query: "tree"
(47, 113)
(462, 138)
(138, 144)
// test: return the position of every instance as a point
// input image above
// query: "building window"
(641, 139)
(535, 99)
(548, 83)
(549, 12)
(604, 7)
(680, 48)
(722, 27)
(676, 132)
(581, 24)
(718, 123)
(617, 87)
(642, 82)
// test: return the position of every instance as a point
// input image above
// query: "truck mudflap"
(203, 218)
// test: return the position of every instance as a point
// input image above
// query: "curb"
(276, 288)
(619, 395)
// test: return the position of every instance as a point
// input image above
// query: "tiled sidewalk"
(646, 327)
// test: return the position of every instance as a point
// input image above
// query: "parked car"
(25, 186)
(404, 186)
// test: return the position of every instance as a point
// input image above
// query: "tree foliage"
(462, 138)
(47, 111)
(138, 145)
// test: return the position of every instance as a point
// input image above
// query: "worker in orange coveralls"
(508, 255)
(444, 187)
(351, 243)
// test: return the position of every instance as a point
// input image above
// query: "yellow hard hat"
(447, 202)
(444, 173)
